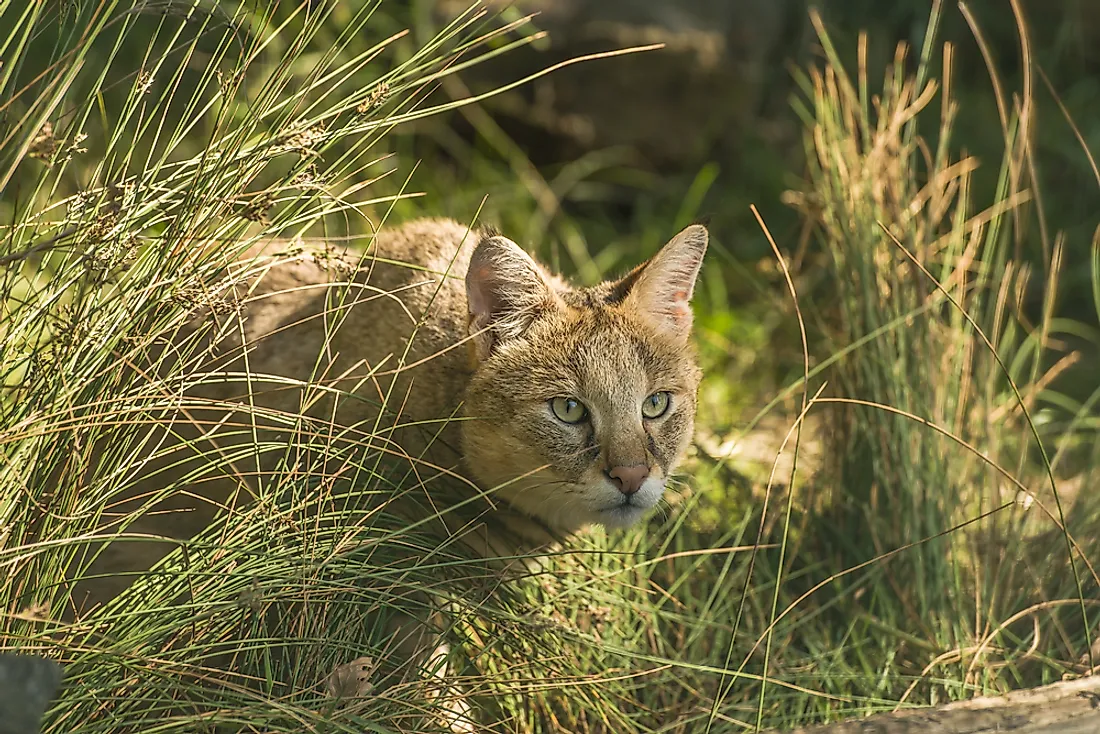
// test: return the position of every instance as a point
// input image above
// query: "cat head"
(583, 400)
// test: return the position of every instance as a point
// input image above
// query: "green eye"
(568, 410)
(656, 405)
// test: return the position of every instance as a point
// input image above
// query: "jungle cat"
(575, 403)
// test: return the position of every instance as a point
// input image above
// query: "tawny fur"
(488, 336)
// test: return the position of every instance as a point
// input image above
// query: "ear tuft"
(505, 291)
(662, 287)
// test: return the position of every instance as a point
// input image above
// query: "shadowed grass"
(911, 571)
(923, 279)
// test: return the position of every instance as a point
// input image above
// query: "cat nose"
(628, 479)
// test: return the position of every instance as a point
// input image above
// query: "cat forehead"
(596, 341)
(595, 300)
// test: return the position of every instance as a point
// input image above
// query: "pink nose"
(628, 479)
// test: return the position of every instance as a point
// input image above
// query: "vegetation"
(941, 549)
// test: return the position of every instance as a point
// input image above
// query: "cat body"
(449, 349)
(474, 349)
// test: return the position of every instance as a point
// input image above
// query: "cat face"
(583, 400)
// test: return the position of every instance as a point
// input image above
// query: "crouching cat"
(571, 406)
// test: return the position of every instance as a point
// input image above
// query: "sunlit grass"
(908, 571)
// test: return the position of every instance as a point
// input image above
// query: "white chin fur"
(599, 503)
(621, 516)
(612, 511)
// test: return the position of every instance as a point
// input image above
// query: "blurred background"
(931, 306)
(619, 152)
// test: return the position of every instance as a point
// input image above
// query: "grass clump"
(152, 144)
(148, 145)
(941, 468)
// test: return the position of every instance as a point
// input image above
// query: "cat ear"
(505, 291)
(661, 288)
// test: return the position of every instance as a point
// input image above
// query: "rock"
(27, 685)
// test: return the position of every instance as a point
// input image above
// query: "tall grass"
(147, 145)
(923, 564)
(937, 443)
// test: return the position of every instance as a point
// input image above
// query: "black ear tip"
(696, 236)
(703, 220)
(489, 245)
(697, 233)
(487, 232)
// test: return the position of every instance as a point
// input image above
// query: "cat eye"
(568, 410)
(656, 405)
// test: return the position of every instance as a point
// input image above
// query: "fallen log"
(1070, 707)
